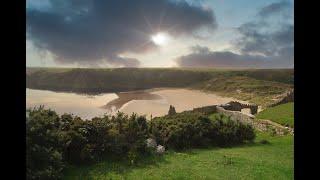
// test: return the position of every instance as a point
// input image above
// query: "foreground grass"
(250, 161)
(282, 114)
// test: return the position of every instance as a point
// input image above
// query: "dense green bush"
(181, 131)
(44, 151)
(191, 129)
(53, 140)
(228, 132)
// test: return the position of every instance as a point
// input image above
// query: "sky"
(160, 33)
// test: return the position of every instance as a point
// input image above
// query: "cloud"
(275, 8)
(91, 31)
(227, 59)
(200, 49)
(267, 36)
(263, 43)
(255, 41)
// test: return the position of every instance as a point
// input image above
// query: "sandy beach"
(181, 99)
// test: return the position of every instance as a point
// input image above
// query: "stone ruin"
(233, 110)
(237, 106)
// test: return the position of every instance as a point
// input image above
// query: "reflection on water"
(85, 106)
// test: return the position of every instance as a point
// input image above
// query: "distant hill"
(246, 84)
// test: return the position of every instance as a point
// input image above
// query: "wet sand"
(125, 97)
(84, 106)
(153, 102)
(181, 99)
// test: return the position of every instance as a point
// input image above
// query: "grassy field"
(282, 114)
(250, 161)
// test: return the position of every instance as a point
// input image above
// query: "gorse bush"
(44, 150)
(53, 140)
(181, 131)
(189, 129)
(228, 132)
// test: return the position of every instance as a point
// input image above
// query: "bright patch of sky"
(230, 14)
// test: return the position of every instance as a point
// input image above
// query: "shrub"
(43, 151)
(53, 140)
(181, 130)
(172, 110)
(191, 129)
(229, 132)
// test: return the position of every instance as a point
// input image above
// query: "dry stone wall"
(261, 125)
(236, 115)
(233, 110)
(206, 109)
(289, 97)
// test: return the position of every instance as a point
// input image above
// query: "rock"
(151, 143)
(160, 149)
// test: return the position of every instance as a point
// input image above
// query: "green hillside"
(256, 86)
(282, 114)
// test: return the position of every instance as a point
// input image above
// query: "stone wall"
(289, 97)
(233, 110)
(236, 115)
(261, 125)
(206, 109)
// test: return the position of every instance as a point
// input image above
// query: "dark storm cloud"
(264, 43)
(86, 31)
(272, 31)
(268, 43)
(227, 59)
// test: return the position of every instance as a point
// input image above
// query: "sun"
(160, 39)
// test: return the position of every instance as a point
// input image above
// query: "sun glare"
(160, 39)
